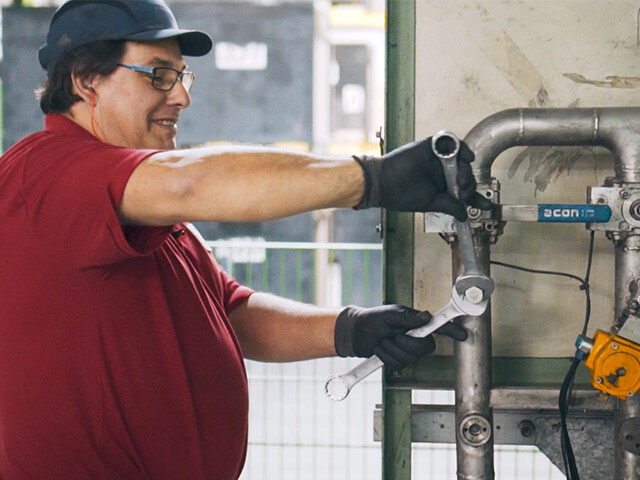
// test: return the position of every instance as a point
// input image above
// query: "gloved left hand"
(362, 332)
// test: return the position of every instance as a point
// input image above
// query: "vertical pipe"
(627, 267)
(472, 364)
(618, 130)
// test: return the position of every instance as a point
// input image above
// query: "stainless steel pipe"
(627, 268)
(472, 367)
(618, 130)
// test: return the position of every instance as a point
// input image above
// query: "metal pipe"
(627, 269)
(618, 130)
(472, 366)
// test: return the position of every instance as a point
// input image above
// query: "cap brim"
(193, 43)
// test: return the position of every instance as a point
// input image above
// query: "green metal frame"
(398, 227)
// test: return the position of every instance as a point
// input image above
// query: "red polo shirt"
(117, 359)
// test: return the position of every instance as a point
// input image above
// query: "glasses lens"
(164, 78)
(187, 80)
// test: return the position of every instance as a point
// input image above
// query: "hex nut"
(474, 295)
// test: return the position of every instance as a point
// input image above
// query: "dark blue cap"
(78, 22)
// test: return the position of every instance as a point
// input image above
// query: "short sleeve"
(235, 293)
(72, 188)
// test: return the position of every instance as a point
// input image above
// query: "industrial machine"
(567, 180)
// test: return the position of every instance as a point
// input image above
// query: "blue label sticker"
(561, 213)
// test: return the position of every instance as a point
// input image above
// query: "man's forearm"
(274, 329)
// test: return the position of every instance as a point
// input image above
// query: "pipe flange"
(631, 208)
(474, 430)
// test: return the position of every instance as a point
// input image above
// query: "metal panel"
(476, 58)
(536, 427)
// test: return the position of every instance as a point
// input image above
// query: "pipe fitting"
(475, 430)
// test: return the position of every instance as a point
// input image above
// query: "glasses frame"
(185, 76)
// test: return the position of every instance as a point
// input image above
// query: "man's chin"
(162, 144)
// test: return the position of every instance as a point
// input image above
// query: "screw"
(624, 194)
(473, 213)
(623, 226)
(474, 295)
(599, 380)
(629, 394)
(601, 201)
(526, 428)
(614, 346)
(475, 429)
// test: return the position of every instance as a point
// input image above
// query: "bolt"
(614, 346)
(526, 428)
(624, 194)
(473, 213)
(475, 429)
(602, 201)
(599, 380)
(629, 394)
(474, 295)
(623, 226)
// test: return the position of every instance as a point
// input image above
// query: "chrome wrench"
(470, 293)
(472, 283)
(339, 386)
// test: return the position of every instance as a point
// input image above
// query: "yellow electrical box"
(615, 365)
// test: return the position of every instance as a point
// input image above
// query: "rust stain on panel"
(504, 53)
(543, 165)
(612, 81)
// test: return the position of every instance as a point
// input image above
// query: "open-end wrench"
(339, 386)
(470, 293)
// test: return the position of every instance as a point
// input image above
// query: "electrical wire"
(568, 457)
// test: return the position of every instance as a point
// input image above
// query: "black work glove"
(362, 332)
(411, 179)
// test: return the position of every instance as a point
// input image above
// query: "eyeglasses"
(164, 78)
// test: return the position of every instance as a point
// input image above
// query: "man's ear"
(83, 87)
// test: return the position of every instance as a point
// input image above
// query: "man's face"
(129, 111)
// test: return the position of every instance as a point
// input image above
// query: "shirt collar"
(58, 123)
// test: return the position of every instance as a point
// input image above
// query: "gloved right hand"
(411, 179)
(362, 332)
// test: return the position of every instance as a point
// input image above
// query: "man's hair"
(99, 58)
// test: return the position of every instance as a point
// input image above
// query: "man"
(122, 340)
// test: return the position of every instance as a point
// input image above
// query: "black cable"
(568, 458)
